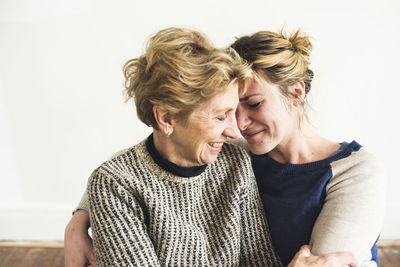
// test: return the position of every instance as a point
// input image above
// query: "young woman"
(315, 191)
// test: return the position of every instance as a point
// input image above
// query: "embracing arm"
(117, 220)
(78, 245)
(257, 248)
(352, 215)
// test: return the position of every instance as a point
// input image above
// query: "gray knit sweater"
(142, 215)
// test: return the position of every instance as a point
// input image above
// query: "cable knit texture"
(142, 215)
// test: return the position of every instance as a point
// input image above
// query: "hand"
(78, 245)
(304, 258)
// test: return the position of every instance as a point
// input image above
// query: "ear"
(164, 120)
(297, 89)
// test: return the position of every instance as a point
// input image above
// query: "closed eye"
(227, 114)
(255, 105)
(221, 118)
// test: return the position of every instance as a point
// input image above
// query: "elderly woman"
(182, 197)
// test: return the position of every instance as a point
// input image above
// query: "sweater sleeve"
(120, 236)
(352, 214)
(256, 246)
(84, 203)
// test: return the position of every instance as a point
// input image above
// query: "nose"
(243, 120)
(231, 129)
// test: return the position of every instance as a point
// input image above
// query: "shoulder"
(240, 142)
(234, 154)
(120, 166)
(360, 166)
(357, 160)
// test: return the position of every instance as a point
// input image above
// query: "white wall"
(61, 104)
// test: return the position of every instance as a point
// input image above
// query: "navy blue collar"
(169, 166)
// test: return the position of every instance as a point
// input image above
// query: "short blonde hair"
(180, 70)
(282, 59)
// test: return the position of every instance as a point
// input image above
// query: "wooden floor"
(52, 255)
(389, 256)
(31, 255)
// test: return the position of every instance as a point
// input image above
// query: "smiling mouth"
(216, 144)
(251, 134)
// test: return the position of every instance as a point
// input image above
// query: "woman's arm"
(78, 245)
(257, 249)
(118, 224)
(352, 214)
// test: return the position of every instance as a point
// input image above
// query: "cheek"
(274, 119)
(265, 115)
(278, 112)
(201, 136)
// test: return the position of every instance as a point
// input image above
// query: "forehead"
(259, 87)
(221, 102)
(254, 88)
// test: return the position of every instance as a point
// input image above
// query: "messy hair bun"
(284, 59)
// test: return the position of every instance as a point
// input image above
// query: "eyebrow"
(223, 110)
(247, 97)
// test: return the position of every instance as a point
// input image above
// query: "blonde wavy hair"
(179, 71)
(281, 59)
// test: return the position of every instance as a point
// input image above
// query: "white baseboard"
(391, 226)
(39, 223)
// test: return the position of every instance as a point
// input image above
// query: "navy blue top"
(293, 196)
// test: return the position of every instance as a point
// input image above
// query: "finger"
(305, 251)
(347, 258)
